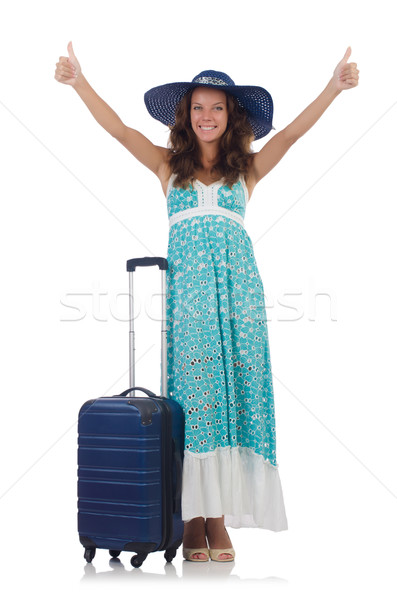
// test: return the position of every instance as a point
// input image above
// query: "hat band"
(213, 80)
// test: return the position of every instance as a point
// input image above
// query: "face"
(208, 114)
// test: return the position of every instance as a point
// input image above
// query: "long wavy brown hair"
(234, 155)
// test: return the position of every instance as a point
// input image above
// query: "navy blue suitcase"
(130, 454)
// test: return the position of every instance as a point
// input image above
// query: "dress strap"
(170, 183)
(245, 188)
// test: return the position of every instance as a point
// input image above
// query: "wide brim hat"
(162, 101)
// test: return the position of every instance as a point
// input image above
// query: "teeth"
(207, 128)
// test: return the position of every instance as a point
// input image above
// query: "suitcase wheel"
(138, 559)
(169, 554)
(114, 553)
(89, 554)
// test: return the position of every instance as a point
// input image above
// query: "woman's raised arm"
(345, 76)
(68, 71)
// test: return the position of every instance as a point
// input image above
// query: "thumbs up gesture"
(346, 74)
(68, 68)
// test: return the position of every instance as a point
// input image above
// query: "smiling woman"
(219, 367)
(204, 116)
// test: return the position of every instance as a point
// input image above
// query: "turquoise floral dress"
(219, 366)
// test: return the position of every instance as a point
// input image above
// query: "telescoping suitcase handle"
(162, 263)
(147, 261)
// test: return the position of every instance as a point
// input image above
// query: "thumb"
(70, 50)
(346, 56)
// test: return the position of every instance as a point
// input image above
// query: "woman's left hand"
(346, 74)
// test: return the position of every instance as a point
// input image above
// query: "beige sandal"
(215, 554)
(188, 553)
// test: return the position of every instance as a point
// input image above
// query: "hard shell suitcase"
(130, 453)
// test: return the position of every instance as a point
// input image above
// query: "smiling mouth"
(207, 128)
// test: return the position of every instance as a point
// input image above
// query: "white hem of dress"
(235, 482)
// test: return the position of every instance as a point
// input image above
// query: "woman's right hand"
(68, 68)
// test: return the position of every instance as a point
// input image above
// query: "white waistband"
(205, 210)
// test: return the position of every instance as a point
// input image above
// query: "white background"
(75, 205)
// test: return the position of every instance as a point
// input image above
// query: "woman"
(219, 359)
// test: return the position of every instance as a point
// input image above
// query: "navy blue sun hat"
(161, 101)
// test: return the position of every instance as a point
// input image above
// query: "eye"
(219, 108)
(196, 107)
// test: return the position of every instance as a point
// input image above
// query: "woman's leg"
(217, 536)
(194, 536)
